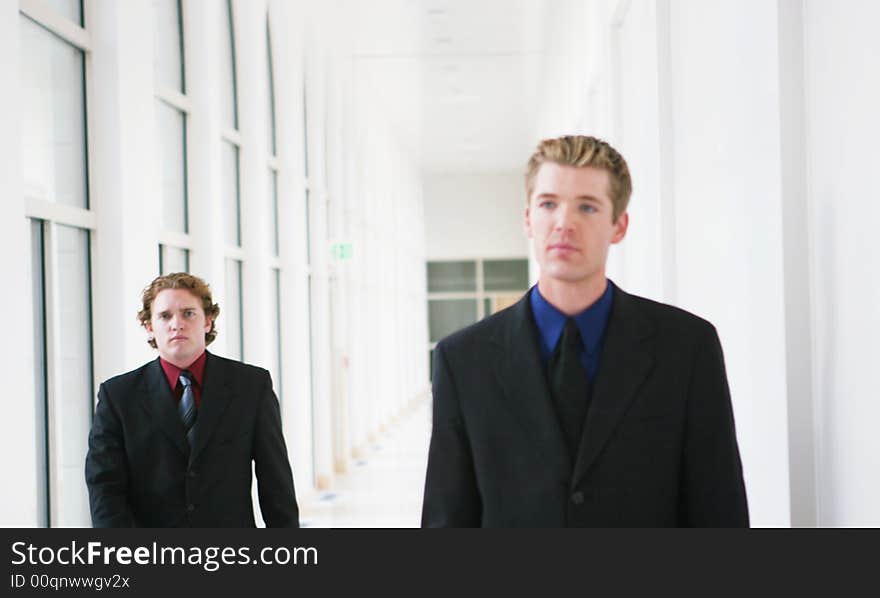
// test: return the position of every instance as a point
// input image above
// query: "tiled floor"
(384, 489)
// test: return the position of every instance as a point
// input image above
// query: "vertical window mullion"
(41, 394)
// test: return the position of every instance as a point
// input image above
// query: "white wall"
(475, 216)
(843, 125)
(728, 220)
(751, 131)
(18, 427)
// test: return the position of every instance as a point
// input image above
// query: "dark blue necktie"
(569, 386)
(187, 406)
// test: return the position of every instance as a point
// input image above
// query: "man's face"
(179, 325)
(569, 220)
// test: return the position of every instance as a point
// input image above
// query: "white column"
(124, 182)
(728, 209)
(256, 223)
(18, 504)
(289, 74)
(843, 125)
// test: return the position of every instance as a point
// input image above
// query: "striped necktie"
(187, 406)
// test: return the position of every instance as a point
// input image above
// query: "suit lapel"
(520, 372)
(626, 361)
(157, 400)
(216, 394)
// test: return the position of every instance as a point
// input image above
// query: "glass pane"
(168, 45)
(40, 372)
(172, 154)
(228, 97)
(72, 9)
(231, 204)
(173, 259)
(447, 277)
(270, 77)
(276, 317)
(70, 414)
(308, 229)
(506, 275)
(273, 211)
(305, 130)
(53, 132)
(445, 316)
(487, 307)
(233, 310)
(312, 434)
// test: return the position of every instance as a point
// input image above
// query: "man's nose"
(564, 215)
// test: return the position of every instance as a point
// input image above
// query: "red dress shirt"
(196, 368)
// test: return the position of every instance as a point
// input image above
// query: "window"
(172, 110)
(231, 136)
(272, 208)
(234, 321)
(307, 240)
(54, 149)
(463, 292)
(231, 191)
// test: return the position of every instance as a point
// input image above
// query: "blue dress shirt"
(591, 323)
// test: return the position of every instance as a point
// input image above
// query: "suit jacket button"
(577, 498)
(190, 507)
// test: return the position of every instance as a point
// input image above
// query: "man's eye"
(588, 208)
(163, 316)
(546, 204)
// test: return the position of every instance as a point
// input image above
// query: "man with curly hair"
(173, 442)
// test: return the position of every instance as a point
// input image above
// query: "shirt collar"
(196, 368)
(591, 322)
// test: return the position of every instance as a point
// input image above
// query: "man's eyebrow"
(579, 197)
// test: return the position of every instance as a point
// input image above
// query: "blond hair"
(581, 151)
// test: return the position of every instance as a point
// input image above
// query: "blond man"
(582, 405)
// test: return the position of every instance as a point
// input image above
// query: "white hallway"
(254, 142)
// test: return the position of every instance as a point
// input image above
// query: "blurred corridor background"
(347, 175)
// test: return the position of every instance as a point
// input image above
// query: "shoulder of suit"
(238, 367)
(128, 379)
(670, 317)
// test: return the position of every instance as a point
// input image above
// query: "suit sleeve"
(274, 477)
(714, 494)
(451, 497)
(106, 469)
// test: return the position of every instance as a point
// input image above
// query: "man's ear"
(620, 227)
(208, 322)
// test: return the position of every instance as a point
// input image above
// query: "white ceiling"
(455, 78)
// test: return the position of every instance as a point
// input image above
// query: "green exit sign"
(342, 251)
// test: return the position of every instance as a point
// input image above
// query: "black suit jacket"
(658, 447)
(140, 470)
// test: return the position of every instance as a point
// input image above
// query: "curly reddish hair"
(179, 280)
